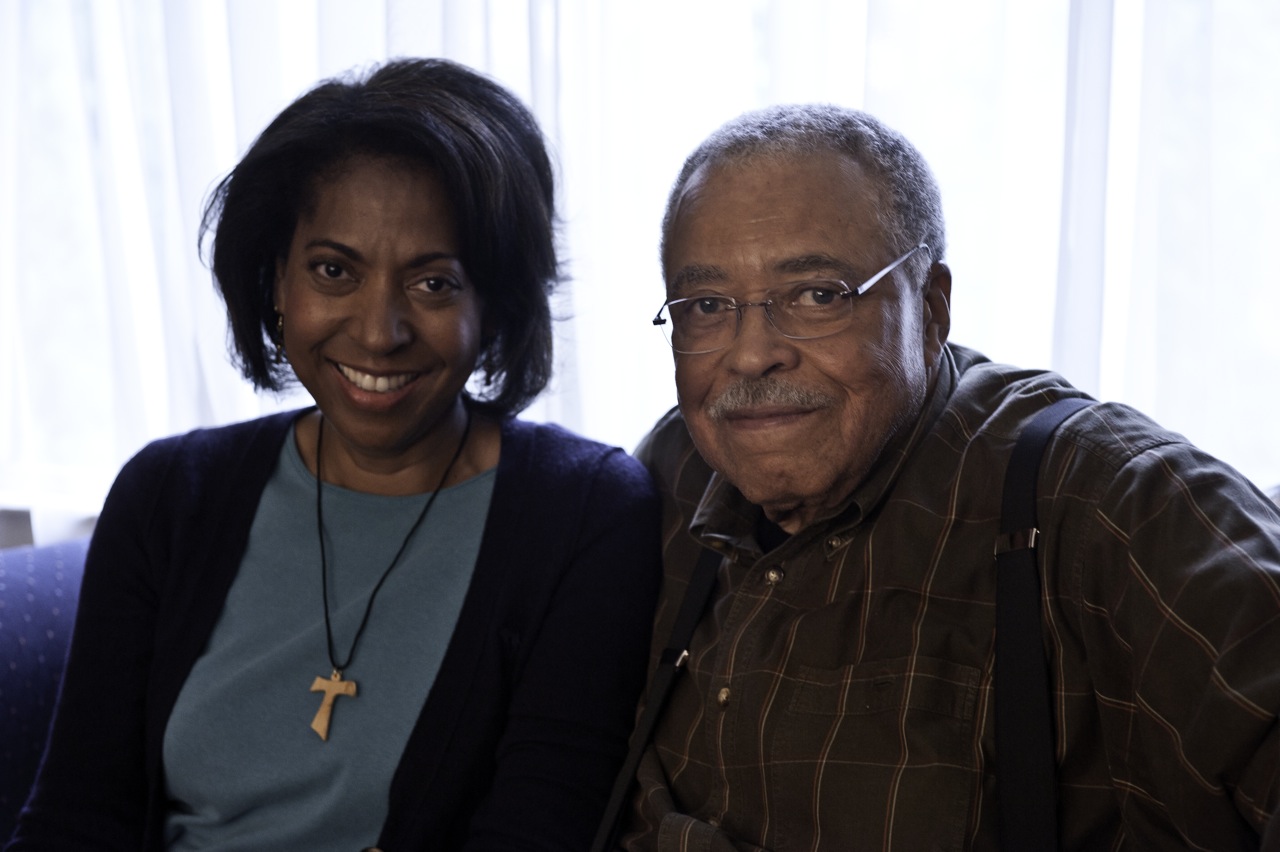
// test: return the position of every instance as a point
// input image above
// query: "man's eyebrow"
(807, 264)
(695, 274)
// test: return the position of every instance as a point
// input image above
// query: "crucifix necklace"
(334, 685)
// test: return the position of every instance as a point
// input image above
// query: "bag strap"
(1026, 775)
(670, 664)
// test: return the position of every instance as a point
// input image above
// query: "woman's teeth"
(377, 384)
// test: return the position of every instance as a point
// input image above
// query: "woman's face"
(381, 323)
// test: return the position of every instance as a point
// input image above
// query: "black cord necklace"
(334, 685)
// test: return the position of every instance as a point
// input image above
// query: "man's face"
(796, 424)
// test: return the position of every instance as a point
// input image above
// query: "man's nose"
(758, 347)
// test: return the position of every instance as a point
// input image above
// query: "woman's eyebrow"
(431, 257)
(347, 251)
(340, 248)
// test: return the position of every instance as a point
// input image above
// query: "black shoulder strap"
(670, 665)
(1026, 777)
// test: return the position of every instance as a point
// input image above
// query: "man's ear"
(937, 311)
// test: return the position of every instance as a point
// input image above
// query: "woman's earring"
(279, 338)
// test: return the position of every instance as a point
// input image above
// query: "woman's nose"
(382, 322)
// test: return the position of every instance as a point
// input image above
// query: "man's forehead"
(781, 168)
(781, 216)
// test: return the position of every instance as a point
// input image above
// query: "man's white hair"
(789, 131)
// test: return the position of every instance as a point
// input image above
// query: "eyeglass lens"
(806, 309)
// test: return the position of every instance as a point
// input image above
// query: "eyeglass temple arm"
(867, 285)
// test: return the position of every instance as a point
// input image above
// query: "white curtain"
(1107, 168)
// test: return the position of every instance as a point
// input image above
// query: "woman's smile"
(380, 383)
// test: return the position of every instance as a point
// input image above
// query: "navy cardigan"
(523, 730)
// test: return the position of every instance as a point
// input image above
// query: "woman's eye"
(439, 284)
(329, 270)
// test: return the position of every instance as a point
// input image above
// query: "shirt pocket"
(874, 750)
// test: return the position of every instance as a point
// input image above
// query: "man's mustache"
(765, 391)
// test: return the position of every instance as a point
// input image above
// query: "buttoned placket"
(773, 575)
(766, 575)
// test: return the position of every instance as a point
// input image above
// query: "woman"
(401, 617)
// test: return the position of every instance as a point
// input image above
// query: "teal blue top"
(244, 769)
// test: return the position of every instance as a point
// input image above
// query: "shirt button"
(774, 575)
(722, 697)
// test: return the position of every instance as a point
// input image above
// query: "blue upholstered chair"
(39, 588)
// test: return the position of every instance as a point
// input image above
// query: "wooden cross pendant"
(332, 688)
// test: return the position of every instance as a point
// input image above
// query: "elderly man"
(847, 464)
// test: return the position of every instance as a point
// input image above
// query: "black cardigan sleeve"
(529, 718)
(164, 551)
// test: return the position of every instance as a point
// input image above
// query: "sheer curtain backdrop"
(1107, 168)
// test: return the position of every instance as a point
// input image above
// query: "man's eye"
(710, 305)
(814, 296)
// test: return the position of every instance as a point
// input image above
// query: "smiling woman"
(357, 623)
(382, 324)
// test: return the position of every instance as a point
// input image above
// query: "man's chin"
(792, 495)
(773, 491)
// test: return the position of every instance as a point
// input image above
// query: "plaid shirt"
(839, 691)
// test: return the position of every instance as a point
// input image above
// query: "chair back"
(39, 589)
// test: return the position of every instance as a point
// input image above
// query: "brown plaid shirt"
(839, 690)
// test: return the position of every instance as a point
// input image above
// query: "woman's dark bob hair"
(474, 135)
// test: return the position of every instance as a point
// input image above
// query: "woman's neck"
(414, 470)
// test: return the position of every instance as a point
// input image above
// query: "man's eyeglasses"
(801, 310)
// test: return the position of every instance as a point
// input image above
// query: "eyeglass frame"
(849, 292)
